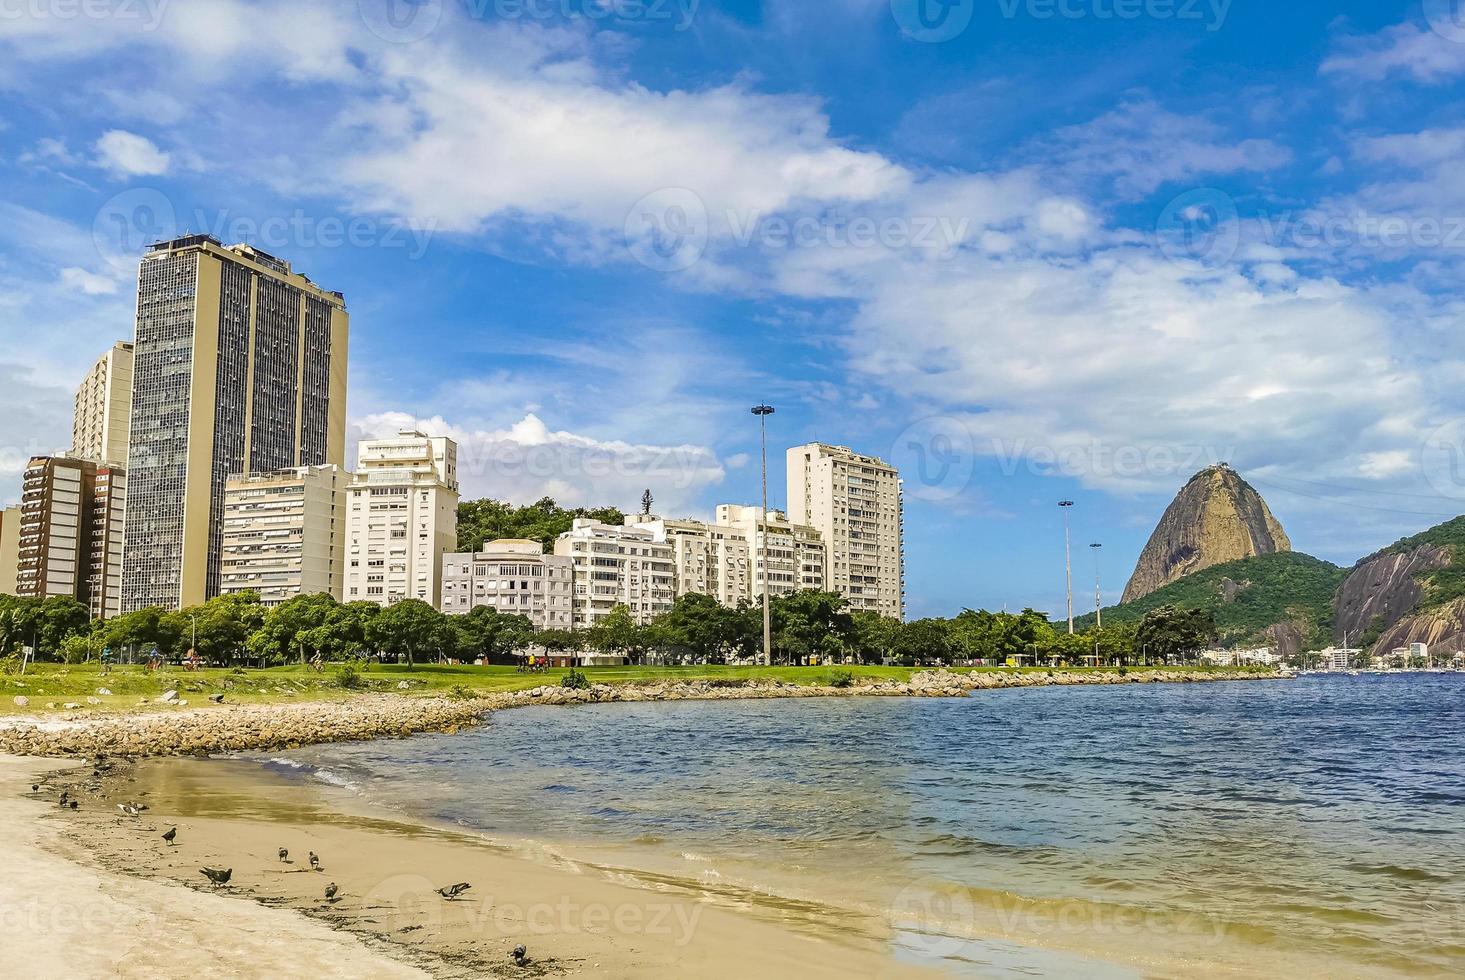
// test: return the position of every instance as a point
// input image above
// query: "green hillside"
(1445, 584)
(542, 521)
(1266, 589)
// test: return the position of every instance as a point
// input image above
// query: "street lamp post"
(1098, 602)
(1067, 561)
(763, 411)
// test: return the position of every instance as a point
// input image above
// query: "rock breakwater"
(234, 728)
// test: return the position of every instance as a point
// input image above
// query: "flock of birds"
(222, 876)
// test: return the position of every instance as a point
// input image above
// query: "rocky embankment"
(233, 728)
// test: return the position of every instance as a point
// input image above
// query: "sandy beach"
(135, 895)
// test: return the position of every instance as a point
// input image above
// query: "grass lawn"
(61, 683)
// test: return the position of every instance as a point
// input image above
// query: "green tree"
(926, 639)
(873, 636)
(411, 627)
(1171, 632)
(811, 623)
(219, 629)
(616, 633)
(493, 635)
(141, 630)
(544, 520)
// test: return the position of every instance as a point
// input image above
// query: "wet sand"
(387, 919)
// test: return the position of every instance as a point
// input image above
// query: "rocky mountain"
(1216, 518)
(1412, 591)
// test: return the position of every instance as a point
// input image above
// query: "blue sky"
(1027, 249)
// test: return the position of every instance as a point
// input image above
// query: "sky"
(1026, 250)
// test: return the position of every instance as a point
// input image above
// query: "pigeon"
(130, 809)
(73, 804)
(453, 891)
(314, 862)
(331, 892)
(35, 787)
(216, 876)
(171, 835)
(216, 698)
(64, 797)
(520, 955)
(284, 854)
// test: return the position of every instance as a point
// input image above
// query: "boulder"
(21, 700)
(167, 697)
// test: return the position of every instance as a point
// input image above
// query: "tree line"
(807, 627)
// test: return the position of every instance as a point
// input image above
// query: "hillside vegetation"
(1247, 596)
(542, 521)
(1445, 584)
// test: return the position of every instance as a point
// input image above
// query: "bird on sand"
(35, 787)
(331, 892)
(73, 804)
(216, 876)
(520, 955)
(64, 797)
(453, 891)
(171, 835)
(130, 809)
(284, 854)
(314, 862)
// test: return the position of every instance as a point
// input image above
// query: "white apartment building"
(796, 552)
(402, 518)
(710, 559)
(614, 566)
(513, 576)
(855, 503)
(103, 408)
(284, 534)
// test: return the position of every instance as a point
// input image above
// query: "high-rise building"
(285, 533)
(855, 502)
(710, 559)
(402, 517)
(106, 521)
(55, 527)
(795, 553)
(618, 566)
(9, 549)
(99, 426)
(512, 576)
(239, 367)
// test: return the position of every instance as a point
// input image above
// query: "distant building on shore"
(613, 566)
(1255, 657)
(402, 518)
(239, 367)
(69, 538)
(855, 502)
(285, 533)
(512, 576)
(797, 554)
(102, 417)
(9, 548)
(710, 559)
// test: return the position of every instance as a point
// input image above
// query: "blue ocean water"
(1310, 827)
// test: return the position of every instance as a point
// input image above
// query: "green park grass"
(133, 687)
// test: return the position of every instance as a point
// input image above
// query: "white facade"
(103, 408)
(512, 576)
(614, 566)
(285, 533)
(402, 518)
(796, 553)
(710, 559)
(855, 503)
(1263, 656)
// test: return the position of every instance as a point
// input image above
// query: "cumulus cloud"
(528, 460)
(1420, 53)
(130, 155)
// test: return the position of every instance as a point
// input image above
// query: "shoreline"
(261, 727)
(574, 917)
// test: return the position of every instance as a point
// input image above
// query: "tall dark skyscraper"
(239, 367)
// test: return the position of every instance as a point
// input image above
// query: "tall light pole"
(1098, 602)
(763, 411)
(1067, 561)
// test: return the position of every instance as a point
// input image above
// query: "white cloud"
(1419, 53)
(88, 282)
(130, 155)
(528, 460)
